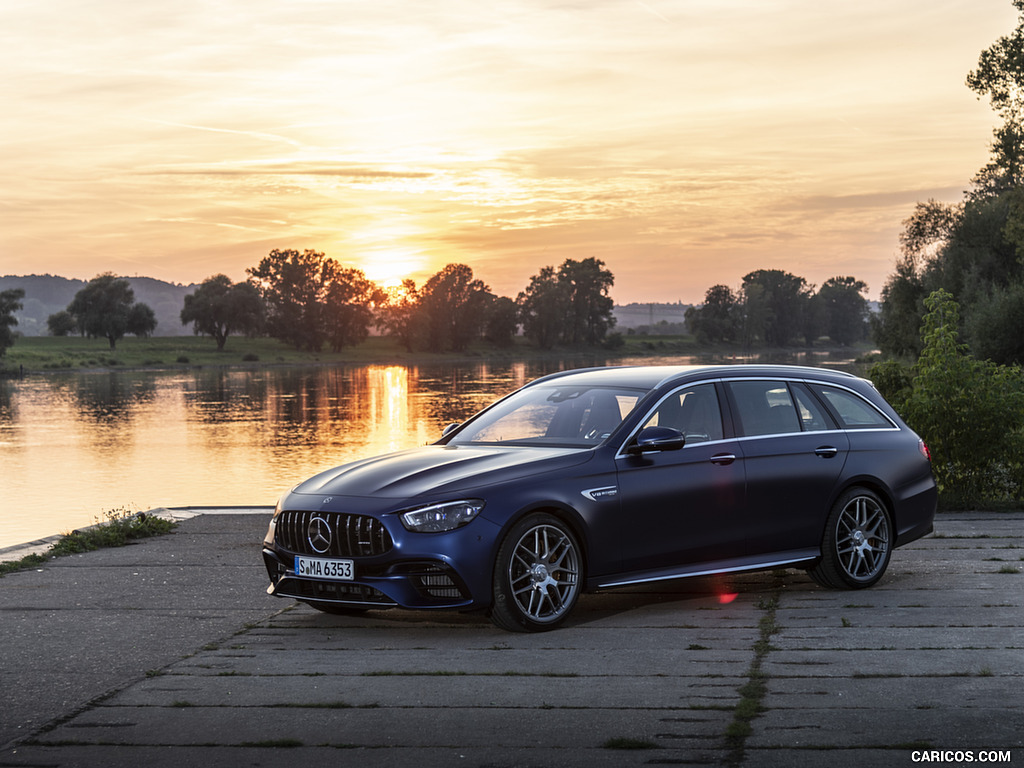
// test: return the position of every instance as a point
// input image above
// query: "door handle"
(723, 459)
(826, 451)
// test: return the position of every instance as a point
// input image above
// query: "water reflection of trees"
(6, 405)
(317, 417)
(225, 396)
(111, 398)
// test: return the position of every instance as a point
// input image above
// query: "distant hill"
(47, 294)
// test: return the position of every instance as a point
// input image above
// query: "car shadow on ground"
(665, 601)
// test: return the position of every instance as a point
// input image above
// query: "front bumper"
(417, 570)
(422, 584)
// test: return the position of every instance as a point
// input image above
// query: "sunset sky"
(683, 142)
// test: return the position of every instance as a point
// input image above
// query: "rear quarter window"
(854, 411)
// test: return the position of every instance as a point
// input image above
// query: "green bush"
(969, 412)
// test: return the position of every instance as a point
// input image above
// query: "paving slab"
(519, 691)
(170, 653)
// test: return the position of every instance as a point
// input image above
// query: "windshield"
(552, 415)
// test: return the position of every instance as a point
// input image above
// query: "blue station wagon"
(604, 477)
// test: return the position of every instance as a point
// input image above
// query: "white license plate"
(317, 568)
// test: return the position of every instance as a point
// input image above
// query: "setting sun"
(388, 267)
(385, 250)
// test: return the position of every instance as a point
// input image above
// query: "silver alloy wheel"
(544, 573)
(863, 538)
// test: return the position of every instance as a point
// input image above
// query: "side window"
(764, 407)
(854, 411)
(693, 411)
(813, 417)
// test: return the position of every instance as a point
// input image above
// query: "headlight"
(442, 517)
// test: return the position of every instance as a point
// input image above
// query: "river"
(75, 446)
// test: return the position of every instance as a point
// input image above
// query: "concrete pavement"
(169, 652)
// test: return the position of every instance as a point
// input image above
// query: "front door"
(682, 506)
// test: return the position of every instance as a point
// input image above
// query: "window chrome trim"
(893, 427)
(621, 452)
(768, 435)
(819, 382)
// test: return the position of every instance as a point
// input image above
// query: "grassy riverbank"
(120, 527)
(35, 354)
(47, 353)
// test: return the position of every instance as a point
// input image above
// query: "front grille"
(433, 581)
(350, 535)
(439, 586)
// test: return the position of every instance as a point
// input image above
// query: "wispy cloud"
(253, 134)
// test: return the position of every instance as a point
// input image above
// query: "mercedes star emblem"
(319, 535)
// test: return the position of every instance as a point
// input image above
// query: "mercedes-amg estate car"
(604, 477)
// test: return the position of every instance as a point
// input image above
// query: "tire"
(538, 575)
(857, 543)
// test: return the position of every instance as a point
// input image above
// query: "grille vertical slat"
(352, 535)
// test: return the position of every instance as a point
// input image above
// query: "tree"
(219, 308)
(10, 302)
(454, 307)
(1000, 77)
(844, 309)
(310, 298)
(895, 328)
(541, 309)
(974, 250)
(106, 309)
(294, 288)
(502, 322)
(349, 308)
(571, 306)
(718, 318)
(398, 316)
(994, 325)
(969, 412)
(61, 323)
(586, 285)
(776, 304)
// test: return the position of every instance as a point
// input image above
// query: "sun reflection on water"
(74, 446)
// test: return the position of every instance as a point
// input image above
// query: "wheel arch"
(872, 484)
(564, 512)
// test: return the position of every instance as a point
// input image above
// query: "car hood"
(439, 469)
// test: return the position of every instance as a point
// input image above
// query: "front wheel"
(857, 543)
(537, 575)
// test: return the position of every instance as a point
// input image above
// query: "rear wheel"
(857, 542)
(537, 575)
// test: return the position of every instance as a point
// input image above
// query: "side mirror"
(654, 439)
(449, 429)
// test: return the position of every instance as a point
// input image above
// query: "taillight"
(924, 450)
